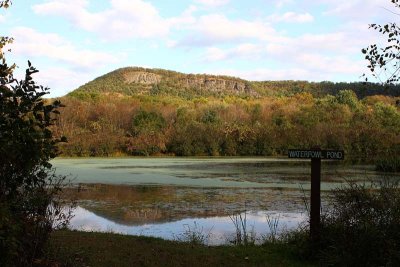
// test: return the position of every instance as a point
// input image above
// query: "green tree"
(348, 97)
(148, 133)
(147, 123)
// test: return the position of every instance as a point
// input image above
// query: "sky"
(72, 42)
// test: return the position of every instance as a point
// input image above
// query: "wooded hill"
(134, 111)
(140, 81)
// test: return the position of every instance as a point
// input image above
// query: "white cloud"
(281, 47)
(30, 43)
(291, 17)
(282, 3)
(329, 42)
(60, 79)
(187, 17)
(216, 28)
(215, 54)
(329, 64)
(2, 18)
(246, 50)
(285, 48)
(360, 10)
(298, 72)
(124, 19)
(317, 54)
(171, 43)
(220, 27)
(212, 3)
(264, 74)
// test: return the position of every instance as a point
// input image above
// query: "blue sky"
(74, 41)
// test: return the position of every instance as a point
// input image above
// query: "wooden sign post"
(316, 155)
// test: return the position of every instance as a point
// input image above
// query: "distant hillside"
(141, 81)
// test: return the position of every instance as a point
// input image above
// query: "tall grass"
(272, 236)
(195, 235)
(243, 234)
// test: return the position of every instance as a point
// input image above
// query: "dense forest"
(112, 122)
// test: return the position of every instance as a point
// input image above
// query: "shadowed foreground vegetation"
(30, 206)
(359, 227)
(105, 249)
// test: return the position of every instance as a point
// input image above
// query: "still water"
(168, 197)
(214, 230)
(206, 172)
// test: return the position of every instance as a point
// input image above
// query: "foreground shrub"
(29, 204)
(362, 226)
(391, 164)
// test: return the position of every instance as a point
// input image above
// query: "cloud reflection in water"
(221, 228)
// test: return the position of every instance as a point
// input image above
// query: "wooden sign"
(316, 154)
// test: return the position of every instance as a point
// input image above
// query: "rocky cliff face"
(204, 83)
(217, 85)
(142, 77)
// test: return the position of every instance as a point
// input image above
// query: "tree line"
(115, 125)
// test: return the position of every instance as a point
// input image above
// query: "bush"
(389, 164)
(362, 227)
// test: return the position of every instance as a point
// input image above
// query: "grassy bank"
(75, 248)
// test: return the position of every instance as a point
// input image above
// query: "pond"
(171, 197)
(214, 230)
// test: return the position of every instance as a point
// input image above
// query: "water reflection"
(220, 229)
(158, 196)
(136, 205)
